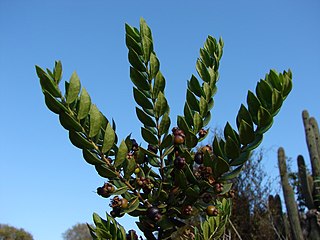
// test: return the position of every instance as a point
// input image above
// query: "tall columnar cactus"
(291, 205)
(313, 143)
(175, 190)
(309, 184)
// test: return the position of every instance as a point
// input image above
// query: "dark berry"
(153, 213)
(187, 210)
(207, 197)
(202, 133)
(179, 162)
(198, 157)
(178, 139)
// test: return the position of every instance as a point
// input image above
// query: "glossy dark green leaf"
(148, 136)
(133, 44)
(194, 86)
(253, 106)
(109, 138)
(181, 179)
(217, 150)
(95, 120)
(166, 142)
(264, 117)
(287, 83)
(52, 103)
(164, 124)
(221, 166)
(190, 176)
(182, 124)
(144, 118)
(244, 156)
(138, 79)
(191, 139)
(161, 105)
(197, 122)
(276, 101)
(141, 99)
(255, 143)
(47, 83)
(105, 171)
(121, 155)
(69, 122)
(135, 60)
(159, 85)
(208, 161)
(207, 119)
(203, 105)
(129, 167)
(207, 91)
(229, 132)
(233, 174)
(188, 115)
(273, 79)
(91, 157)
(264, 94)
(231, 148)
(57, 71)
(147, 152)
(84, 104)
(133, 205)
(154, 65)
(205, 57)
(146, 39)
(73, 89)
(133, 32)
(202, 71)
(79, 140)
(246, 133)
(192, 101)
(244, 114)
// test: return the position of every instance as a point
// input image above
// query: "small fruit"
(206, 148)
(198, 157)
(178, 139)
(202, 133)
(137, 170)
(212, 210)
(124, 203)
(187, 210)
(179, 162)
(207, 197)
(153, 213)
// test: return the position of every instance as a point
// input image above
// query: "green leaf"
(273, 79)
(264, 118)
(91, 157)
(134, 44)
(146, 38)
(276, 101)
(244, 114)
(253, 106)
(148, 136)
(138, 79)
(133, 205)
(188, 115)
(207, 119)
(73, 89)
(105, 171)
(182, 124)
(57, 71)
(129, 167)
(205, 57)
(154, 65)
(194, 86)
(135, 60)
(121, 154)
(144, 118)
(47, 83)
(221, 167)
(166, 142)
(69, 122)
(197, 122)
(191, 139)
(95, 120)
(161, 105)
(202, 71)
(79, 140)
(244, 156)
(159, 85)
(255, 143)
(133, 32)
(181, 179)
(246, 133)
(217, 148)
(109, 138)
(52, 103)
(231, 148)
(264, 94)
(229, 132)
(207, 91)
(203, 105)
(192, 101)
(141, 99)
(233, 174)
(164, 124)
(84, 105)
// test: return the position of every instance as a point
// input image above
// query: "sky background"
(45, 185)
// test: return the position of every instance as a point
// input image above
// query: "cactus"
(291, 205)
(309, 184)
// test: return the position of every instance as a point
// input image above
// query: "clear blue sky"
(45, 185)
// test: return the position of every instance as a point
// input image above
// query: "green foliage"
(162, 183)
(79, 231)
(8, 232)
